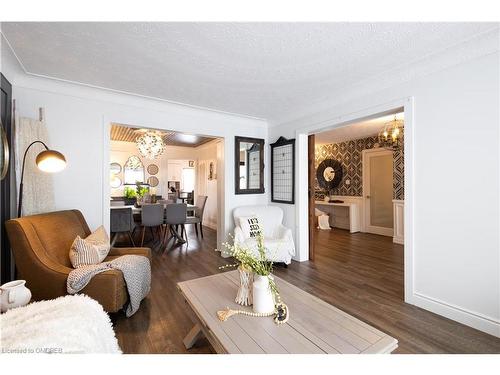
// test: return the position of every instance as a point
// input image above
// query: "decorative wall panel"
(349, 155)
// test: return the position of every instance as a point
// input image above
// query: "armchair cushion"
(90, 250)
(250, 226)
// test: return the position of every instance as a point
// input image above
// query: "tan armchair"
(41, 243)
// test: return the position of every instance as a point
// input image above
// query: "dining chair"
(176, 215)
(122, 222)
(151, 217)
(165, 201)
(201, 201)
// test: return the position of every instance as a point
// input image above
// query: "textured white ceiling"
(265, 70)
(357, 130)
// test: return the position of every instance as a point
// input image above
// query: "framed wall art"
(283, 171)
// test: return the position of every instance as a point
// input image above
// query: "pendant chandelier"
(391, 135)
(150, 145)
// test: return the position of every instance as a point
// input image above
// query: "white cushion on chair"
(250, 225)
(270, 217)
(90, 250)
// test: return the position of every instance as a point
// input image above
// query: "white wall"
(78, 119)
(205, 155)
(456, 184)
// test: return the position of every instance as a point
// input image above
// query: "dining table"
(138, 210)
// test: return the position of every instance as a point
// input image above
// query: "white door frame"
(302, 206)
(366, 202)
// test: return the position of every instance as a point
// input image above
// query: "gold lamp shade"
(51, 161)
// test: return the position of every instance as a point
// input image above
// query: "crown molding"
(474, 47)
(24, 79)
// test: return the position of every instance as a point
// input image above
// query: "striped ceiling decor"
(129, 134)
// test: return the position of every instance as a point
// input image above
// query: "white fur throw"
(70, 324)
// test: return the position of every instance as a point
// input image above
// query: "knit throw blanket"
(136, 272)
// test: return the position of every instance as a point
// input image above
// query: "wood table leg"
(176, 234)
(192, 336)
(113, 239)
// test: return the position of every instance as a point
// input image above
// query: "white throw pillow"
(250, 226)
(91, 250)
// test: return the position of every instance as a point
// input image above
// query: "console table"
(351, 221)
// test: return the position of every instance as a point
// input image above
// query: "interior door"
(312, 224)
(377, 191)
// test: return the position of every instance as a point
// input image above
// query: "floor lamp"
(48, 160)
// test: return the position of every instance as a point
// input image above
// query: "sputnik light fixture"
(391, 135)
(150, 145)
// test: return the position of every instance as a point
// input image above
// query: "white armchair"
(278, 239)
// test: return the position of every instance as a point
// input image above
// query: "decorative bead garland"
(223, 315)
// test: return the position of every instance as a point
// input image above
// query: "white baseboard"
(210, 224)
(472, 319)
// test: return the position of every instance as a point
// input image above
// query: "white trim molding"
(302, 204)
(398, 210)
(473, 319)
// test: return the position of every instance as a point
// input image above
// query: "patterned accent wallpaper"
(349, 155)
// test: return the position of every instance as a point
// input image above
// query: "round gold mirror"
(153, 169)
(4, 153)
(115, 168)
(153, 181)
(115, 182)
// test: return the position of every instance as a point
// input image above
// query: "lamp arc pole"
(20, 204)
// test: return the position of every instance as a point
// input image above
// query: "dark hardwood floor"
(360, 273)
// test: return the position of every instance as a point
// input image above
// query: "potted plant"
(265, 294)
(140, 191)
(129, 195)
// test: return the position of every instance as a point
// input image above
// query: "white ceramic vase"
(263, 301)
(14, 294)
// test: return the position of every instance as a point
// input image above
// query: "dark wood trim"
(282, 141)
(261, 143)
(311, 174)
(6, 261)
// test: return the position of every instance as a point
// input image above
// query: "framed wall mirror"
(115, 182)
(133, 170)
(115, 168)
(329, 174)
(249, 165)
(4, 153)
